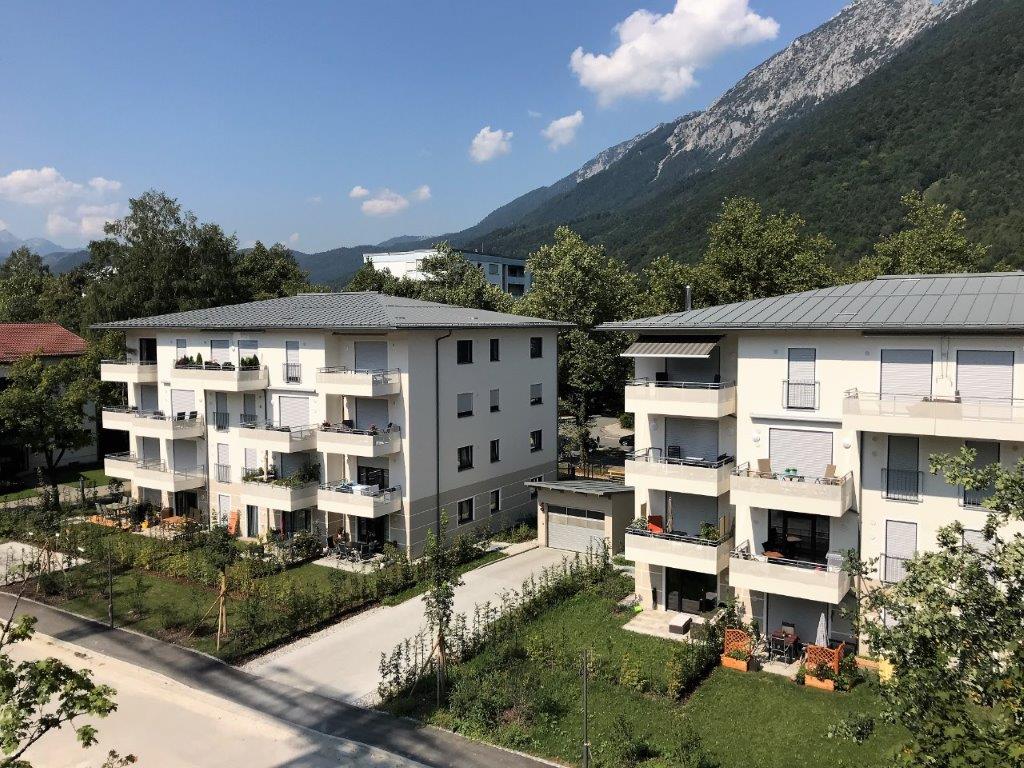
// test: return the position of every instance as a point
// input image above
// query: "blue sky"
(264, 117)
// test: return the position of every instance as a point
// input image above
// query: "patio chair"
(193, 415)
(764, 468)
(788, 628)
(776, 647)
(179, 416)
(348, 423)
(673, 451)
(661, 376)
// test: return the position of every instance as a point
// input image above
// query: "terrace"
(346, 439)
(154, 423)
(977, 418)
(340, 380)
(829, 494)
(679, 474)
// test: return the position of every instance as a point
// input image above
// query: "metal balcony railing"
(996, 409)
(902, 484)
(656, 456)
(221, 420)
(292, 373)
(377, 375)
(681, 537)
(833, 562)
(892, 568)
(384, 435)
(745, 470)
(645, 382)
(384, 494)
(295, 432)
(222, 472)
(127, 362)
(800, 395)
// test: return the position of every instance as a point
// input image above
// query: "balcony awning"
(701, 348)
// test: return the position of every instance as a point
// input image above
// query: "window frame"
(458, 455)
(495, 350)
(494, 501)
(495, 402)
(536, 347)
(462, 414)
(472, 510)
(461, 345)
(495, 454)
(539, 399)
(536, 447)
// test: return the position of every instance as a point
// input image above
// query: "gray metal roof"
(991, 301)
(365, 310)
(589, 487)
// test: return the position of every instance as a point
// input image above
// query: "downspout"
(437, 435)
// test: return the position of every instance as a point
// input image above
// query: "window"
(495, 407)
(495, 450)
(533, 491)
(798, 536)
(801, 390)
(180, 350)
(464, 351)
(492, 268)
(466, 511)
(985, 454)
(465, 457)
(465, 404)
(495, 501)
(536, 397)
(536, 346)
(292, 368)
(536, 441)
(901, 478)
(495, 350)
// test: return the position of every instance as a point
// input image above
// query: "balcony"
(704, 477)
(801, 395)
(339, 380)
(129, 371)
(829, 496)
(681, 398)
(286, 494)
(674, 550)
(154, 423)
(342, 439)
(221, 378)
(976, 419)
(153, 473)
(268, 436)
(821, 582)
(359, 500)
(901, 484)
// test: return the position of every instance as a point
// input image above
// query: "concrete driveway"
(341, 662)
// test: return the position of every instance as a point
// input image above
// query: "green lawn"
(25, 493)
(752, 720)
(65, 476)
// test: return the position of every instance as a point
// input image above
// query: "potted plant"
(709, 531)
(737, 658)
(229, 366)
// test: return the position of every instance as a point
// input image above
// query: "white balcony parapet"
(708, 400)
(277, 437)
(154, 423)
(824, 582)
(286, 494)
(359, 500)
(977, 418)
(343, 439)
(129, 371)
(682, 474)
(153, 472)
(223, 377)
(675, 550)
(341, 380)
(827, 495)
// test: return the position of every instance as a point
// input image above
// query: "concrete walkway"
(430, 746)
(341, 662)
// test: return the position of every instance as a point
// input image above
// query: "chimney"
(688, 299)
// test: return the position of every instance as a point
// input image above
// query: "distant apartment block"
(506, 272)
(775, 435)
(338, 412)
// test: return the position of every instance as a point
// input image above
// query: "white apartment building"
(774, 435)
(354, 412)
(506, 272)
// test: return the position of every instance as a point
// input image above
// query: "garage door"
(806, 450)
(575, 529)
(371, 355)
(694, 437)
(371, 412)
(183, 401)
(906, 373)
(294, 411)
(984, 375)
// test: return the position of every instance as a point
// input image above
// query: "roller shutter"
(149, 448)
(801, 390)
(695, 437)
(185, 455)
(148, 399)
(293, 411)
(906, 373)
(252, 459)
(900, 546)
(220, 350)
(248, 348)
(574, 529)
(808, 451)
(183, 401)
(984, 375)
(371, 412)
(371, 355)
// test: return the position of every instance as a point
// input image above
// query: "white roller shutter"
(984, 375)
(695, 437)
(371, 355)
(185, 455)
(800, 392)
(150, 448)
(291, 352)
(906, 373)
(148, 398)
(252, 459)
(293, 411)
(977, 540)
(223, 454)
(371, 412)
(220, 350)
(808, 451)
(801, 364)
(900, 545)
(183, 401)
(248, 348)
(903, 453)
(223, 508)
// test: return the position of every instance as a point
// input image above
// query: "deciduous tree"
(24, 284)
(268, 273)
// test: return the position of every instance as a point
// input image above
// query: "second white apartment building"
(508, 273)
(339, 412)
(774, 435)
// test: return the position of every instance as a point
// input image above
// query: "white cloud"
(563, 130)
(37, 186)
(3, 224)
(102, 185)
(659, 53)
(384, 203)
(86, 223)
(421, 193)
(358, 192)
(314, 199)
(533, 113)
(293, 238)
(488, 144)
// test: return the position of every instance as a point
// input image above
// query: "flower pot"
(813, 682)
(739, 664)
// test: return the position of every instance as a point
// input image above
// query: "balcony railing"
(156, 465)
(381, 436)
(222, 472)
(902, 484)
(177, 420)
(800, 395)
(292, 373)
(384, 494)
(128, 362)
(975, 497)
(656, 456)
(377, 375)
(680, 537)
(221, 420)
(833, 562)
(892, 568)
(827, 495)
(974, 418)
(644, 382)
(744, 470)
(241, 370)
(296, 432)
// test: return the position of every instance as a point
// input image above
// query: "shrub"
(626, 420)
(856, 727)
(801, 675)
(518, 534)
(627, 747)
(631, 676)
